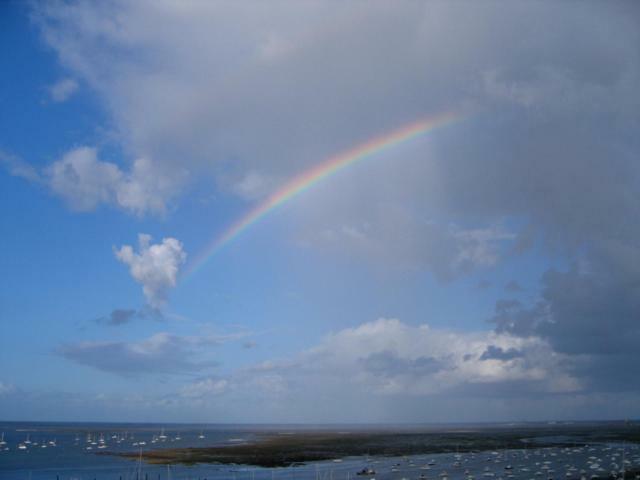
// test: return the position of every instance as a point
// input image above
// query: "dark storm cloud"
(579, 313)
(592, 315)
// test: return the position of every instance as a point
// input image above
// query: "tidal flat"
(286, 448)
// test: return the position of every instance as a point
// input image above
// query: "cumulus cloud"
(82, 180)
(85, 182)
(154, 266)
(365, 371)
(63, 89)
(389, 357)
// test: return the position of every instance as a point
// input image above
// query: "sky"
(484, 270)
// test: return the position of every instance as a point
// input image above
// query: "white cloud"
(206, 387)
(367, 372)
(253, 186)
(6, 389)
(387, 356)
(155, 266)
(148, 187)
(63, 89)
(85, 182)
(18, 168)
(82, 180)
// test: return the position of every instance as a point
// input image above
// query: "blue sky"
(488, 267)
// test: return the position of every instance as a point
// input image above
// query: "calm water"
(70, 451)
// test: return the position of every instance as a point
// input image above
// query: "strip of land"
(275, 449)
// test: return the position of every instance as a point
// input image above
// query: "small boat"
(366, 472)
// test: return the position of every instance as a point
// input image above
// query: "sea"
(83, 451)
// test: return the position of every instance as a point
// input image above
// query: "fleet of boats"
(601, 461)
(566, 463)
(97, 441)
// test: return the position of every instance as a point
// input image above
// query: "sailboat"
(2, 442)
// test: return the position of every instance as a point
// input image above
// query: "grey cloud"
(513, 286)
(161, 353)
(119, 316)
(387, 363)
(496, 353)
(552, 141)
(511, 316)
(579, 313)
(62, 90)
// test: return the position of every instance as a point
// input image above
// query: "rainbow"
(318, 173)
